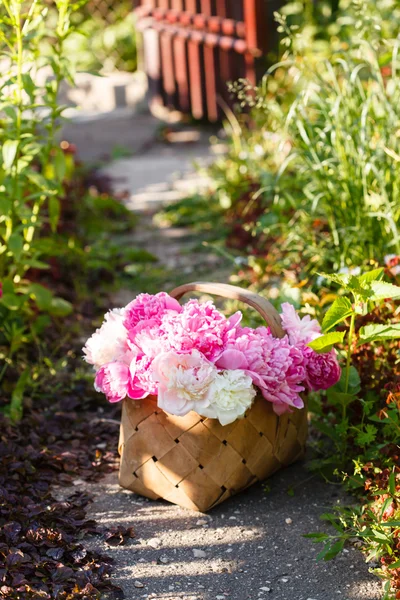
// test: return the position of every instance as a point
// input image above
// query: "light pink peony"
(322, 370)
(109, 343)
(113, 380)
(299, 330)
(147, 307)
(198, 327)
(183, 381)
(274, 365)
(146, 338)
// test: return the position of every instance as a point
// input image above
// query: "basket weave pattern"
(198, 463)
(194, 461)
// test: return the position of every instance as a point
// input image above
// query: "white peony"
(230, 395)
(183, 381)
(109, 343)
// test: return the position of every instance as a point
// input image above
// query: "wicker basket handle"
(262, 305)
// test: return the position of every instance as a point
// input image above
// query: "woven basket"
(196, 462)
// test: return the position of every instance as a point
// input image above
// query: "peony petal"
(231, 360)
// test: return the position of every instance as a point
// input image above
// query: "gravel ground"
(249, 548)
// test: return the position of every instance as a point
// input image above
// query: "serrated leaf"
(366, 437)
(382, 290)
(374, 332)
(324, 343)
(338, 312)
(336, 398)
(370, 276)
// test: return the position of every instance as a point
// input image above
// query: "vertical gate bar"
(209, 70)
(223, 70)
(255, 23)
(167, 64)
(152, 62)
(181, 71)
(196, 96)
(210, 78)
(191, 6)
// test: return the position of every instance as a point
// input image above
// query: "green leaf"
(392, 483)
(382, 290)
(60, 307)
(374, 275)
(5, 206)
(9, 152)
(60, 165)
(15, 244)
(36, 264)
(41, 295)
(338, 312)
(373, 333)
(318, 537)
(366, 437)
(336, 398)
(330, 551)
(16, 406)
(395, 565)
(54, 212)
(324, 343)
(12, 301)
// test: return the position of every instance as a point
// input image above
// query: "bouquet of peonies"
(193, 358)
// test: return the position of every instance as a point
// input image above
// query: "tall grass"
(344, 129)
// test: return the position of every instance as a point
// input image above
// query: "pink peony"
(146, 307)
(141, 383)
(299, 330)
(322, 370)
(274, 365)
(183, 381)
(113, 380)
(198, 326)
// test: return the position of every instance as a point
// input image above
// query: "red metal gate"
(192, 48)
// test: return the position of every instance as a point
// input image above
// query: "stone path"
(251, 547)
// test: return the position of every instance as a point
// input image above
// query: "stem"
(349, 349)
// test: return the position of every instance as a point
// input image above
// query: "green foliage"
(55, 235)
(316, 163)
(97, 45)
(358, 437)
